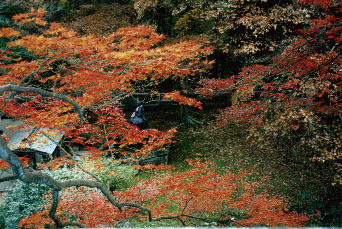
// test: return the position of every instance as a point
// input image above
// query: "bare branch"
(149, 212)
(38, 177)
(52, 213)
(56, 82)
(186, 204)
(29, 76)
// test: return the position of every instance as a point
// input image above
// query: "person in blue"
(138, 118)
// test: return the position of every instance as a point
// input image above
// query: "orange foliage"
(5, 166)
(89, 206)
(38, 220)
(137, 38)
(202, 192)
(33, 16)
(8, 32)
(111, 129)
(57, 163)
(183, 100)
(95, 67)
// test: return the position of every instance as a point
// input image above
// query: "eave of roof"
(25, 137)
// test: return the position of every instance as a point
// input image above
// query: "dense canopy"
(277, 62)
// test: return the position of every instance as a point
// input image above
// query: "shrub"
(22, 201)
(112, 173)
(25, 199)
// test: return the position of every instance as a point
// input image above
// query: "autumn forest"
(170, 113)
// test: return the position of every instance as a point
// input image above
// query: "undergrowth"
(305, 184)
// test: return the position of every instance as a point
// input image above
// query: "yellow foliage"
(242, 96)
(8, 32)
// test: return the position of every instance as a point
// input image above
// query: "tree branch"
(52, 213)
(30, 176)
(38, 177)
(8, 178)
(89, 68)
(21, 89)
(29, 76)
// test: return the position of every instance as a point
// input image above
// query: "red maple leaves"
(183, 100)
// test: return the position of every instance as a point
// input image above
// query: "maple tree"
(158, 12)
(74, 84)
(244, 27)
(190, 196)
(297, 97)
(241, 32)
(93, 73)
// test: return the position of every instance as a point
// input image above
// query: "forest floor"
(105, 19)
(228, 146)
(231, 149)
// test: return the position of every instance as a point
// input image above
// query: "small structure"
(38, 143)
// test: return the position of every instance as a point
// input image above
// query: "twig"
(29, 76)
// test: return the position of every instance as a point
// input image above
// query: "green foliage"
(64, 174)
(241, 32)
(157, 12)
(22, 52)
(56, 9)
(113, 174)
(25, 199)
(59, 10)
(235, 27)
(4, 21)
(22, 201)
(2, 215)
(191, 23)
(9, 8)
(164, 223)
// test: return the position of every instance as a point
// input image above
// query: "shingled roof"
(24, 137)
